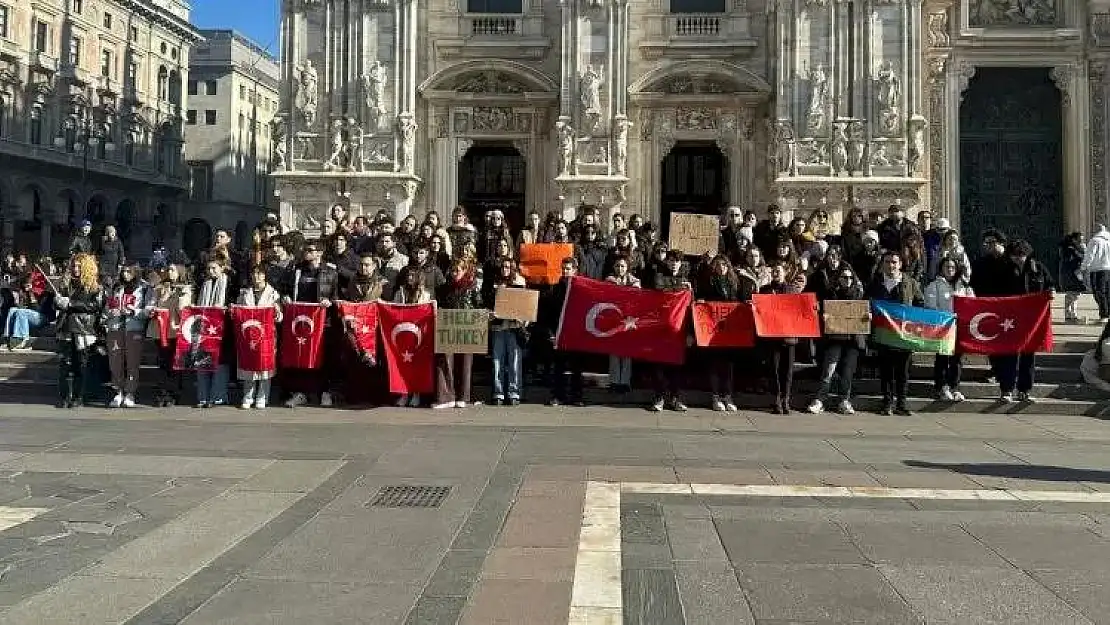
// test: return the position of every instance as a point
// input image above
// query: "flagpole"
(47, 278)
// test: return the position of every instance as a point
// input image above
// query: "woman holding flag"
(891, 285)
(722, 285)
(949, 283)
(781, 351)
(256, 384)
(173, 292)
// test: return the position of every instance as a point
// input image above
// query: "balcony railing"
(495, 25)
(695, 25)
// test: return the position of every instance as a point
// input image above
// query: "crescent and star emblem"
(302, 339)
(629, 323)
(973, 326)
(352, 322)
(247, 325)
(186, 329)
(407, 328)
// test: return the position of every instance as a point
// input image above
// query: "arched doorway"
(197, 237)
(125, 223)
(695, 180)
(242, 236)
(492, 176)
(1011, 171)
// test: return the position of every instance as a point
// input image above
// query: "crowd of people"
(103, 305)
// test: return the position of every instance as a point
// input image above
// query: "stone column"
(1099, 139)
(1071, 80)
(7, 227)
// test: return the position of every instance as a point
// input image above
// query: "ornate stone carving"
(935, 68)
(936, 143)
(695, 84)
(916, 152)
(443, 125)
(589, 97)
(1062, 76)
(888, 96)
(378, 153)
(647, 124)
(308, 92)
(985, 13)
(1100, 29)
(839, 148)
(355, 140)
(857, 147)
(462, 122)
(620, 144)
(462, 147)
(566, 147)
(964, 73)
(814, 152)
(277, 141)
(695, 119)
(491, 82)
(406, 129)
(665, 128)
(818, 99)
(498, 119)
(373, 94)
(340, 149)
(781, 144)
(938, 29)
(1097, 74)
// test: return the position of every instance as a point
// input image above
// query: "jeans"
(256, 391)
(947, 371)
(782, 368)
(620, 371)
(21, 321)
(840, 358)
(212, 386)
(894, 373)
(1071, 306)
(1100, 288)
(125, 354)
(507, 358)
(1014, 372)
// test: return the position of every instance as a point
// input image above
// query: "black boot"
(888, 407)
(903, 409)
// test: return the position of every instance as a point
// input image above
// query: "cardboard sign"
(695, 234)
(847, 317)
(516, 304)
(542, 263)
(462, 331)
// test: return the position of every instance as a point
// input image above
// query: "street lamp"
(89, 136)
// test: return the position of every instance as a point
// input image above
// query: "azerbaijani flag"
(912, 328)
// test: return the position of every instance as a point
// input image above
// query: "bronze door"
(695, 180)
(1011, 169)
(493, 177)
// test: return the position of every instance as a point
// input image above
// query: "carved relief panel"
(1012, 13)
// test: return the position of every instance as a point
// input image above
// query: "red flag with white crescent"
(161, 318)
(360, 322)
(199, 339)
(408, 332)
(302, 335)
(255, 338)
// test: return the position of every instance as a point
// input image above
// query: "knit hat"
(942, 223)
(871, 234)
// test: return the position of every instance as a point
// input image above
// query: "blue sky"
(257, 19)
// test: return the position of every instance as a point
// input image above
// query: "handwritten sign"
(542, 263)
(694, 234)
(516, 304)
(847, 317)
(462, 331)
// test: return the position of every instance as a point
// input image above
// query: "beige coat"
(172, 299)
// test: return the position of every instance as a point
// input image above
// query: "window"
(210, 87)
(494, 6)
(697, 6)
(192, 87)
(163, 47)
(108, 20)
(210, 118)
(42, 36)
(75, 51)
(191, 117)
(5, 15)
(77, 6)
(132, 73)
(200, 181)
(107, 64)
(242, 92)
(134, 33)
(163, 83)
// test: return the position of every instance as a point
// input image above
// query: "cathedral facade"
(988, 112)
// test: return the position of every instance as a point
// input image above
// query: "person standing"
(781, 351)
(126, 322)
(411, 290)
(721, 284)
(670, 275)
(507, 336)
(256, 384)
(564, 364)
(214, 293)
(80, 303)
(949, 283)
(316, 283)
(620, 369)
(454, 371)
(839, 352)
(1096, 264)
(1073, 281)
(112, 257)
(891, 285)
(1024, 275)
(173, 292)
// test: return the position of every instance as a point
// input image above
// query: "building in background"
(91, 105)
(988, 112)
(232, 92)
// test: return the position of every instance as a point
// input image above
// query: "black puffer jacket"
(463, 295)
(82, 316)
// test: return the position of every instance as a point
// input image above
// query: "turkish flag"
(302, 335)
(255, 337)
(724, 324)
(606, 318)
(360, 322)
(39, 283)
(161, 318)
(408, 331)
(784, 316)
(1019, 324)
(199, 339)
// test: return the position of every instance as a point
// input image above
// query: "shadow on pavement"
(1046, 473)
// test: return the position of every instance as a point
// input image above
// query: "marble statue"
(356, 159)
(406, 126)
(308, 91)
(879, 157)
(857, 146)
(818, 97)
(277, 139)
(621, 144)
(888, 94)
(917, 126)
(339, 148)
(781, 147)
(840, 148)
(373, 93)
(589, 95)
(566, 148)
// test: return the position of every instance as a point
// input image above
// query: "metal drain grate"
(410, 497)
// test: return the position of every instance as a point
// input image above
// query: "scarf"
(213, 292)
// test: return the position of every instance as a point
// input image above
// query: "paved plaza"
(550, 516)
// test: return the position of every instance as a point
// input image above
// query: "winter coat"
(1097, 257)
(424, 296)
(459, 236)
(173, 299)
(489, 298)
(591, 259)
(1070, 273)
(371, 289)
(82, 316)
(838, 292)
(327, 285)
(939, 293)
(906, 292)
(392, 266)
(1032, 277)
(466, 295)
(130, 304)
(989, 274)
(111, 257)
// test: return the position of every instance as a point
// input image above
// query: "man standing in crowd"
(1096, 264)
(390, 261)
(279, 262)
(112, 256)
(894, 229)
(316, 283)
(770, 231)
(1022, 275)
(82, 241)
(343, 259)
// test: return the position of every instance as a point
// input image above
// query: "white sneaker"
(1006, 398)
(117, 401)
(815, 407)
(657, 405)
(245, 406)
(260, 404)
(326, 401)
(402, 401)
(444, 405)
(719, 406)
(414, 401)
(945, 394)
(128, 401)
(460, 404)
(729, 406)
(958, 396)
(845, 407)
(298, 399)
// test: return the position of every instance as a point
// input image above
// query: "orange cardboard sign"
(542, 263)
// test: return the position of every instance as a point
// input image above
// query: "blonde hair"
(90, 273)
